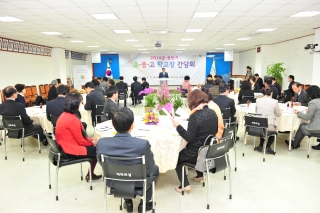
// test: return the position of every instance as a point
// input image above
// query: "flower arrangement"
(150, 118)
(176, 99)
(163, 98)
(237, 90)
(150, 98)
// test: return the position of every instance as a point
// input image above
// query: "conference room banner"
(81, 75)
(150, 65)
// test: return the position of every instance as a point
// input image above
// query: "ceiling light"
(122, 31)
(205, 14)
(158, 31)
(104, 50)
(266, 29)
(193, 30)
(228, 44)
(181, 49)
(76, 41)
(178, 52)
(219, 48)
(112, 52)
(93, 46)
(51, 33)
(183, 45)
(144, 52)
(211, 51)
(187, 39)
(142, 49)
(243, 39)
(104, 16)
(9, 19)
(306, 14)
(131, 40)
(138, 45)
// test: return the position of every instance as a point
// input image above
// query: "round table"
(164, 139)
(286, 122)
(39, 116)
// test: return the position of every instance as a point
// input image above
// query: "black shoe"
(237, 138)
(258, 148)
(128, 206)
(148, 207)
(270, 151)
(295, 147)
(45, 143)
(287, 142)
(318, 139)
(317, 147)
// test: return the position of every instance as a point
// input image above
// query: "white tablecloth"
(39, 116)
(164, 140)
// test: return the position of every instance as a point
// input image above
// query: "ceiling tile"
(57, 3)
(152, 9)
(132, 9)
(27, 4)
(89, 3)
(43, 11)
(112, 3)
(97, 10)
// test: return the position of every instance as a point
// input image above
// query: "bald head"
(10, 92)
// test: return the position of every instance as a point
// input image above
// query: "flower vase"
(148, 109)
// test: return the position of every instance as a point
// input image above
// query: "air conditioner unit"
(158, 45)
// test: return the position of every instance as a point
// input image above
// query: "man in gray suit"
(93, 98)
(124, 145)
(110, 106)
(300, 95)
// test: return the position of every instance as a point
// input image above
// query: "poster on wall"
(150, 65)
(81, 75)
(216, 65)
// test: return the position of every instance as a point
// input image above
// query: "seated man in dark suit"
(12, 108)
(52, 94)
(110, 106)
(275, 84)
(93, 98)
(144, 84)
(121, 84)
(136, 87)
(300, 95)
(259, 80)
(215, 89)
(124, 145)
(55, 107)
(268, 84)
(223, 101)
(97, 86)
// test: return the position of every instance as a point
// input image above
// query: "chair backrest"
(245, 99)
(226, 114)
(256, 124)
(46, 86)
(100, 116)
(124, 171)
(14, 124)
(53, 143)
(42, 89)
(54, 119)
(99, 109)
(34, 90)
(218, 152)
(28, 91)
(122, 94)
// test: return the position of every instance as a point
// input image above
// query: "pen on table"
(144, 129)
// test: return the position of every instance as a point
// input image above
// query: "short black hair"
(111, 90)
(95, 82)
(267, 91)
(223, 88)
(248, 67)
(209, 76)
(122, 119)
(9, 91)
(313, 92)
(273, 78)
(99, 78)
(217, 81)
(63, 89)
(72, 102)
(163, 68)
(256, 74)
(135, 78)
(297, 84)
(105, 79)
(268, 81)
(20, 87)
(245, 85)
(89, 84)
(58, 80)
(121, 78)
(111, 81)
(186, 77)
(291, 76)
(206, 90)
(143, 79)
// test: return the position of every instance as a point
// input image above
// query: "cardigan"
(69, 135)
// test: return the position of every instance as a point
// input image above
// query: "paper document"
(182, 113)
(167, 113)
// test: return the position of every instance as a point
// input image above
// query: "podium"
(161, 80)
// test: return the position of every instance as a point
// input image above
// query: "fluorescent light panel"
(266, 29)
(306, 14)
(194, 30)
(131, 40)
(104, 50)
(104, 16)
(243, 39)
(205, 14)
(144, 52)
(93, 46)
(122, 31)
(178, 52)
(211, 51)
(187, 39)
(138, 45)
(112, 52)
(181, 49)
(219, 48)
(228, 44)
(142, 49)
(183, 45)
(76, 41)
(9, 19)
(51, 33)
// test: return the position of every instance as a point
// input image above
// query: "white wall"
(25, 69)
(235, 64)
(247, 58)
(70, 62)
(297, 61)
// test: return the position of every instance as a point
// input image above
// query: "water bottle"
(40, 105)
(248, 103)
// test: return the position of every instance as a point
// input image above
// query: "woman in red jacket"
(71, 136)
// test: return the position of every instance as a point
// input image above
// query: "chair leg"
(224, 176)
(309, 146)
(235, 156)
(264, 148)
(39, 143)
(153, 197)
(105, 196)
(208, 187)
(49, 174)
(244, 144)
(81, 171)
(204, 179)
(144, 196)
(230, 189)
(22, 144)
(254, 142)
(57, 171)
(90, 175)
(275, 143)
(5, 146)
(120, 204)
(182, 184)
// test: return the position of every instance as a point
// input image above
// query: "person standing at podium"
(163, 74)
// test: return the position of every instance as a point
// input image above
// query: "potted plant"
(163, 99)
(150, 99)
(176, 99)
(276, 70)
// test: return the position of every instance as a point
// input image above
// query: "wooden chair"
(43, 93)
(306, 86)
(34, 93)
(28, 96)
(46, 86)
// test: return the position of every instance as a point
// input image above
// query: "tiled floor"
(286, 182)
